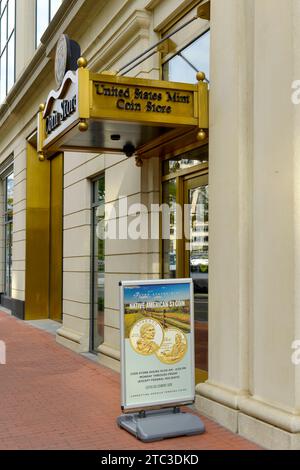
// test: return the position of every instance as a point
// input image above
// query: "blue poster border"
(187, 400)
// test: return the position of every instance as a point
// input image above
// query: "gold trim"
(203, 11)
(56, 238)
(82, 62)
(37, 237)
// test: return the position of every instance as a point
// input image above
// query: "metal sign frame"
(102, 112)
(188, 399)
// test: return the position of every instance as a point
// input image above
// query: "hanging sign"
(157, 343)
(106, 113)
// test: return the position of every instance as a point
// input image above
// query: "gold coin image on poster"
(174, 346)
(146, 336)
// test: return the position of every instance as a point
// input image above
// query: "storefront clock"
(67, 54)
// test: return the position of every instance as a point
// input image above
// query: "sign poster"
(157, 343)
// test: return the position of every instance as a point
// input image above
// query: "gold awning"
(107, 113)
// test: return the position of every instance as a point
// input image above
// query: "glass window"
(98, 263)
(185, 252)
(8, 222)
(45, 11)
(190, 60)
(169, 228)
(7, 47)
(190, 159)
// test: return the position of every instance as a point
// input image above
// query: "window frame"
(37, 43)
(179, 50)
(9, 171)
(5, 49)
(94, 205)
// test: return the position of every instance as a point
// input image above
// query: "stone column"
(274, 393)
(230, 179)
(253, 386)
(25, 34)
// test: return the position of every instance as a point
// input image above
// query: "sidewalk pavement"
(52, 398)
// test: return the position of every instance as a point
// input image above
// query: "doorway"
(185, 251)
(196, 264)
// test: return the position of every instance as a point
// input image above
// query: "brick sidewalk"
(52, 398)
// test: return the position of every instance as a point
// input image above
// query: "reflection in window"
(190, 159)
(7, 46)
(98, 263)
(190, 60)
(169, 229)
(45, 11)
(8, 223)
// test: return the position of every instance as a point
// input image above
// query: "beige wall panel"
(20, 191)
(76, 286)
(112, 318)
(18, 294)
(19, 177)
(18, 265)
(19, 236)
(79, 326)
(19, 248)
(77, 197)
(114, 159)
(20, 162)
(77, 309)
(19, 206)
(77, 219)
(77, 264)
(73, 160)
(165, 11)
(18, 281)
(112, 337)
(77, 241)
(122, 181)
(92, 165)
(19, 221)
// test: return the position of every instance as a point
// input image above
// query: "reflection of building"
(253, 386)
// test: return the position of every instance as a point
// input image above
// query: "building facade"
(243, 173)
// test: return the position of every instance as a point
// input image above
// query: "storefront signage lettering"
(137, 99)
(66, 109)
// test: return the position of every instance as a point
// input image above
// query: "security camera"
(128, 149)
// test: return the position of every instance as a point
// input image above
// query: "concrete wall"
(254, 305)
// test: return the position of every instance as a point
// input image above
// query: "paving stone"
(53, 398)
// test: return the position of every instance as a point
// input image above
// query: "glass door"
(196, 264)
